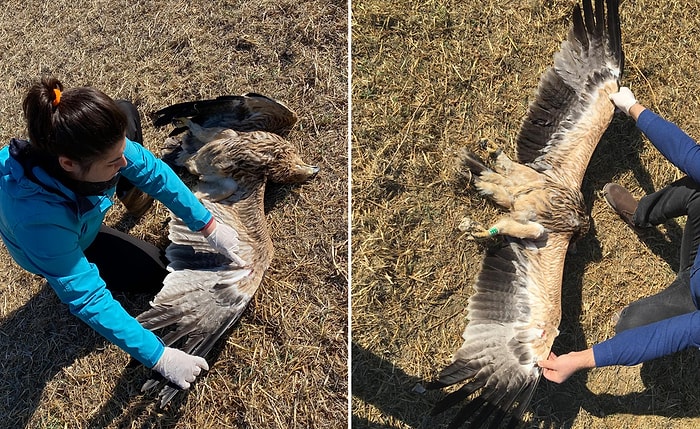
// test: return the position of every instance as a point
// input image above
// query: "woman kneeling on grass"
(55, 190)
(670, 320)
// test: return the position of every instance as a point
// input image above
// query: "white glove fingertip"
(238, 261)
(203, 364)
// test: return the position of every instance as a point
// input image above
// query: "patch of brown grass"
(285, 364)
(433, 77)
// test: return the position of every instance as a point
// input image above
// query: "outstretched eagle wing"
(571, 107)
(203, 296)
(516, 308)
(513, 316)
(247, 112)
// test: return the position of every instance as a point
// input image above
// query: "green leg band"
(493, 231)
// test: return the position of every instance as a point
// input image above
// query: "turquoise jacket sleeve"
(79, 285)
(157, 179)
(651, 341)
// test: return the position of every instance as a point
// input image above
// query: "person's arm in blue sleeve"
(158, 180)
(78, 284)
(630, 347)
(673, 143)
(650, 341)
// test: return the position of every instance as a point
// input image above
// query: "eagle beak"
(314, 170)
(309, 171)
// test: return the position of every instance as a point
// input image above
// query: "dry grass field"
(432, 77)
(285, 364)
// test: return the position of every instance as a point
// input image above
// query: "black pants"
(680, 198)
(127, 264)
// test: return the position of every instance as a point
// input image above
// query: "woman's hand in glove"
(224, 239)
(179, 367)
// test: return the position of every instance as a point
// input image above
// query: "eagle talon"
(493, 149)
(474, 230)
(484, 143)
(490, 147)
(480, 235)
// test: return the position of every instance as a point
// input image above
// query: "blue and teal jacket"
(47, 228)
(658, 339)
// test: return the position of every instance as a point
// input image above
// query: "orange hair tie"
(57, 93)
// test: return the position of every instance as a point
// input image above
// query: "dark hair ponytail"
(80, 123)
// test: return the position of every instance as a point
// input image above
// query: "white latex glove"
(225, 240)
(179, 367)
(623, 99)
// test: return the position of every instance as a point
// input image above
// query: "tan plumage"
(515, 312)
(204, 294)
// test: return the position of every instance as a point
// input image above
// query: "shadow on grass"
(379, 383)
(672, 389)
(42, 338)
(127, 405)
(618, 152)
(37, 343)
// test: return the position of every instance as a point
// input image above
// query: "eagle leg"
(519, 229)
(504, 226)
(514, 172)
(497, 187)
(517, 173)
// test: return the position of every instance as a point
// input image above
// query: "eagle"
(233, 145)
(514, 314)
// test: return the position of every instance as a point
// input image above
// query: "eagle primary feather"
(230, 144)
(514, 314)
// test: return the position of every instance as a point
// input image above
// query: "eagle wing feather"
(513, 319)
(571, 108)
